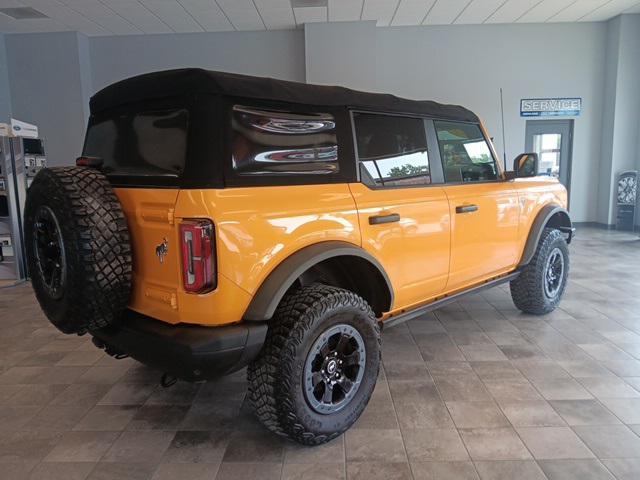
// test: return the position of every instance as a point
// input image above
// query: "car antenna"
(504, 143)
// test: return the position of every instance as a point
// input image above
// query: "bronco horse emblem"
(162, 250)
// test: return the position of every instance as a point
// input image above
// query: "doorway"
(552, 140)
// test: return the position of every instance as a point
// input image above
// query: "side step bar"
(403, 317)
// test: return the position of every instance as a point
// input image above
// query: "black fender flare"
(552, 215)
(273, 288)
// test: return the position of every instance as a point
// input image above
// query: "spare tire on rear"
(78, 248)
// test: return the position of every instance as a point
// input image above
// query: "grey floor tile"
(198, 447)
(482, 353)
(62, 471)
(372, 445)
(158, 417)
(81, 394)
(494, 444)
(615, 441)
(509, 390)
(243, 471)
(128, 394)
(27, 446)
(444, 471)
(531, 413)
(477, 415)
(139, 447)
(461, 388)
(575, 470)
(190, 471)
(57, 417)
(609, 387)
(626, 409)
(82, 447)
(434, 445)
(624, 468)
(584, 412)
(16, 417)
(497, 371)
(561, 389)
(553, 443)
(254, 447)
(308, 471)
(510, 470)
(422, 414)
(120, 471)
(378, 471)
(107, 417)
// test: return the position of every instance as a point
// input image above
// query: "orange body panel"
(431, 252)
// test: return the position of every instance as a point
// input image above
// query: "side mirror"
(526, 165)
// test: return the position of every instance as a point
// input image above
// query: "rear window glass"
(282, 143)
(152, 143)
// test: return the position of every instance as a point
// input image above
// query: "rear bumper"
(188, 352)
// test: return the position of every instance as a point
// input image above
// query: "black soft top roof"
(171, 83)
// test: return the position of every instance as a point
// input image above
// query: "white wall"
(5, 94)
(52, 76)
(467, 65)
(278, 54)
(46, 89)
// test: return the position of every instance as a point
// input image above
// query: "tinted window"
(392, 150)
(466, 157)
(150, 143)
(282, 143)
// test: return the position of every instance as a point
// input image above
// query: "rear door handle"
(466, 208)
(380, 219)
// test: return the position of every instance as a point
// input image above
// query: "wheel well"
(559, 220)
(351, 273)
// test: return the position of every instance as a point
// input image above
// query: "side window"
(392, 150)
(466, 157)
(282, 143)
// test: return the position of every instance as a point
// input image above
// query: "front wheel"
(318, 366)
(541, 284)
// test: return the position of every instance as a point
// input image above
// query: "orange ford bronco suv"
(216, 221)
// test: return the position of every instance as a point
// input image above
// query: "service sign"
(550, 107)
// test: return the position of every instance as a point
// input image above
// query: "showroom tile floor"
(474, 390)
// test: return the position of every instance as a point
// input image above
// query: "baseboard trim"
(603, 226)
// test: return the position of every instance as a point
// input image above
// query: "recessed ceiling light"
(308, 3)
(22, 13)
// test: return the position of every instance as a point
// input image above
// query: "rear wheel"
(541, 284)
(319, 364)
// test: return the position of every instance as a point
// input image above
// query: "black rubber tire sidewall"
(96, 244)
(527, 291)
(276, 388)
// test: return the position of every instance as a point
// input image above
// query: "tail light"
(198, 255)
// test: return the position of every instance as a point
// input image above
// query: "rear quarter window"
(279, 143)
(147, 143)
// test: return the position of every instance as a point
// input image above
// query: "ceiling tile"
(310, 15)
(139, 15)
(512, 11)
(379, 10)
(445, 12)
(276, 14)
(173, 14)
(577, 10)
(635, 9)
(478, 11)
(67, 17)
(208, 15)
(544, 10)
(242, 14)
(102, 15)
(345, 10)
(609, 10)
(412, 12)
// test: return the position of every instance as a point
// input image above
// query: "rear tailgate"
(156, 254)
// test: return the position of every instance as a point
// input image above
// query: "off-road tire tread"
(526, 290)
(99, 261)
(270, 375)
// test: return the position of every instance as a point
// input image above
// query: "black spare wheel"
(78, 249)
(318, 366)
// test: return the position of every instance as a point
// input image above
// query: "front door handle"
(380, 219)
(466, 208)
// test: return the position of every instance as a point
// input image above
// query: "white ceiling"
(127, 17)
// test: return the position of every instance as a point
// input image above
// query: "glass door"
(552, 141)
